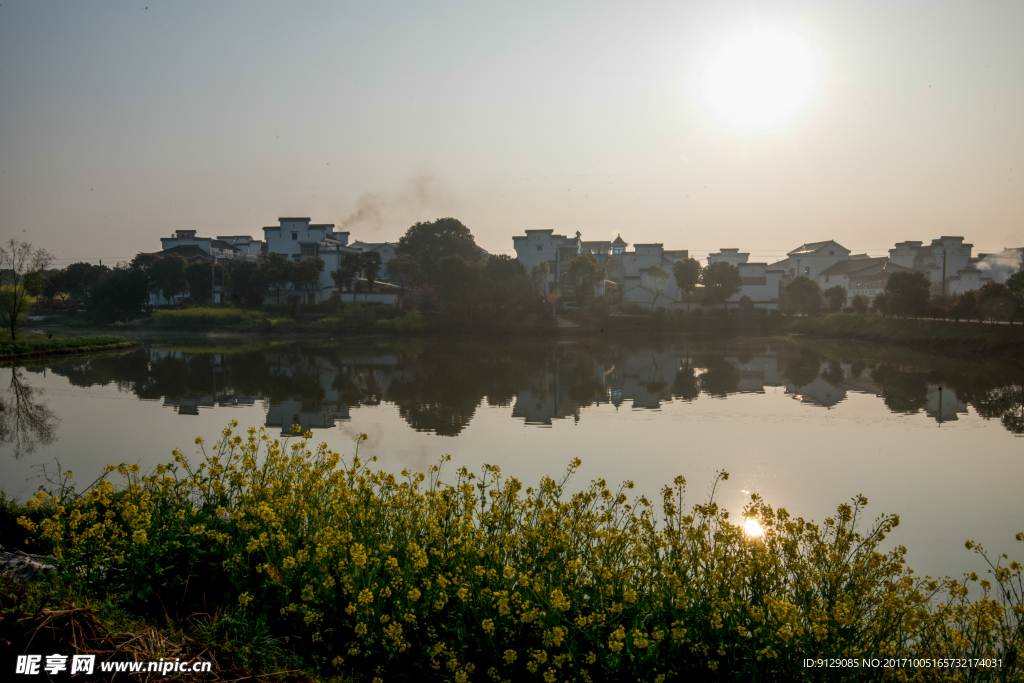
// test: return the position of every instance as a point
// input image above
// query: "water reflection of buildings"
(312, 391)
(943, 405)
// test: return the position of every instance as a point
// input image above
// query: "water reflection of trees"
(25, 421)
(438, 387)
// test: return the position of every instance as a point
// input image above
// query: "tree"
(246, 282)
(145, 263)
(306, 275)
(882, 304)
(80, 277)
(835, 298)
(907, 292)
(805, 294)
(19, 261)
(200, 278)
(121, 294)
(371, 266)
(509, 285)
(721, 281)
(277, 274)
(54, 285)
(169, 276)
(995, 301)
(1015, 287)
(581, 277)
(687, 274)
(461, 285)
(348, 270)
(404, 271)
(428, 243)
(539, 276)
(746, 304)
(860, 304)
(658, 277)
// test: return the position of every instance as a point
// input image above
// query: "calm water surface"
(805, 424)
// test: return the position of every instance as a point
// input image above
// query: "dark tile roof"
(811, 247)
(189, 252)
(851, 265)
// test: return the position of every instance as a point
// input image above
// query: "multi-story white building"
(939, 260)
(629, 269)
(539, 246)
(298, 239)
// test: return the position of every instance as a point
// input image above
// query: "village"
(947, 261)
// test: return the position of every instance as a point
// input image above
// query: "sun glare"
(760, 79)
(753, 528)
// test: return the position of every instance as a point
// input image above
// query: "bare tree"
(18, 261)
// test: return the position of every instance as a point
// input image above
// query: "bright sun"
(760, 79)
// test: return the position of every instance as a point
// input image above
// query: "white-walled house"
(386, 251)
(187, 242)
(760, 282)
(870, 281)
(940, 260)
(730, 256)
(296, 238)
(539, 246)
(299, 239)
(970, 278)
(251, 250)
(812, 258)
(629, 270)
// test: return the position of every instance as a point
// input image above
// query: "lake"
(807, 424)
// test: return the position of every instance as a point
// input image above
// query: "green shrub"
(27, 346)
(418, 579)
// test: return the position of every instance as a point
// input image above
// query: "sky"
(123, 122)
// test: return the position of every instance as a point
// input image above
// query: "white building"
(760, 282)
(386, 251)
(298, 239)
(252, 250)
(864, 277)
(186, 242)
(629, 270)
(539, 246)
(970, 278)
(812, 258)
(939, 260)
(730, 256)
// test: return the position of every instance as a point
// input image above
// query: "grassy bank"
(28, 347)
(939, 335)
(209, 317)
(355, 572)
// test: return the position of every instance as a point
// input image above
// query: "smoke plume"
(1002, 265)
(419, 193)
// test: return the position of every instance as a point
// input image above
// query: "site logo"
(33, 665)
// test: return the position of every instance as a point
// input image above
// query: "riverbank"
(943, 336)
(39, 347)
(325, 565)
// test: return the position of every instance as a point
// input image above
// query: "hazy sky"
(122, 122)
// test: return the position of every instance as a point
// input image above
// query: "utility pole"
(943, 270)
(213, 280)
